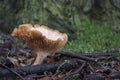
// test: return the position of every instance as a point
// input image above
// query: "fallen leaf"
(30, 61)
(117, 66)
(45, 78)
(14, 61)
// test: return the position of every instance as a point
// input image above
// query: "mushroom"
(43, 40)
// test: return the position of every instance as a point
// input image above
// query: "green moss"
(93, 37)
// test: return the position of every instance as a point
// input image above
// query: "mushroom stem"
(40, 57)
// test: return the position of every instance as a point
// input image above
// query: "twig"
(15, 73)
(104, 58)
(114, 75)
(58, 69)
(75, 72)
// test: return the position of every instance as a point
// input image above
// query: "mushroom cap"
(40, 38)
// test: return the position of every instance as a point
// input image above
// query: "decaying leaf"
(45, 78)
(117, 66)
(14, 61)
(30, 61)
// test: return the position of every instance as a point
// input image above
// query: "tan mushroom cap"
(40, 37)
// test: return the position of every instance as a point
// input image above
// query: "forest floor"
(96, 58)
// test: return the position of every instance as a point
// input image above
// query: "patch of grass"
(93, 37)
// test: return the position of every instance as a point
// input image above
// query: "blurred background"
(92, 25)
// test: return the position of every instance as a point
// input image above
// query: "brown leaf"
(61, 75)
(117, 66)
(30, 61)
(14, 61)
(45, 78)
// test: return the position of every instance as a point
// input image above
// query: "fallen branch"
(67, 54)
(71, 64)
(90, 57)
(113, 53)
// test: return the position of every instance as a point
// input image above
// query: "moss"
(93, 37)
